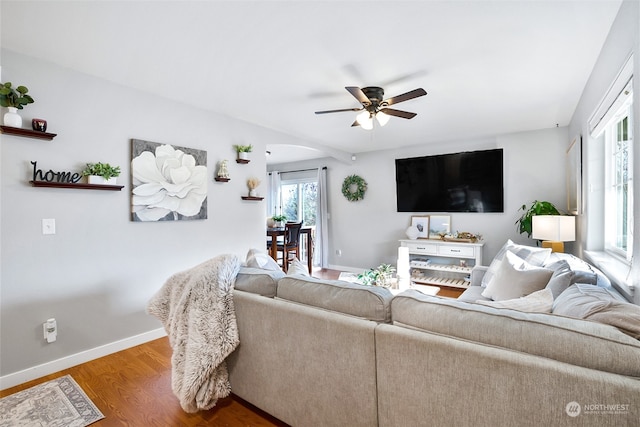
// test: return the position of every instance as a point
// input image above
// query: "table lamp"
(554, 230)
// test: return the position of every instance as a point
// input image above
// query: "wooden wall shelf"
(27, 133)
(251, 198)
(76, 185)
(217, 178)
(243, 161)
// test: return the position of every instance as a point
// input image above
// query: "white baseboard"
(347, 269)
(48, 368)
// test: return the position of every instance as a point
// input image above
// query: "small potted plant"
(252, 184)
(14, 100)
(243, 151)
(279, 220)
(379, 276)
(101, 173)
(525, 222)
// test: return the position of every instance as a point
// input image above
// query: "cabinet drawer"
(422, 248)
(461, 251)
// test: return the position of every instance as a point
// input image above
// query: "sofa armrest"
(477, 273)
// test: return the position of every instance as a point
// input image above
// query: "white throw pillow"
(297, 267)
(516, 278)
(531, 254)
(538, 302)
(259, 259)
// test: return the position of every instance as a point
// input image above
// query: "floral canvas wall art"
(169, 182)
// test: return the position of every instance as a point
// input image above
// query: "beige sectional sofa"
(331, 353)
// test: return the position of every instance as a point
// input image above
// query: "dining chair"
(290, 245)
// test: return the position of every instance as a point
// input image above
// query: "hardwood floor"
(133, 388)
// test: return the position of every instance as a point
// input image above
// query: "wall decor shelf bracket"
(27, 133)
(76, 185)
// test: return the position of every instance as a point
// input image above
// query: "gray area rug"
(56, 403)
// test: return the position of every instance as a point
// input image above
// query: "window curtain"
(321, 251)
(274, 206)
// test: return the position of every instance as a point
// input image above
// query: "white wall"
(367, 231)
(623, 40)
(97, 272)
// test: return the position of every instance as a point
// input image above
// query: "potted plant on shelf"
(278, 220)
(14, 100)
(101, 173)
(525, 222)
(243, 151)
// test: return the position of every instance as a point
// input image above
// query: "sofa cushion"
(538, 302)
(259, 259)
(598, 304)
(578, 342)
(367, 302)
(533, 255)
(258, 281)
(516, 278)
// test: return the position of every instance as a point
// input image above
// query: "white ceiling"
(489, 67)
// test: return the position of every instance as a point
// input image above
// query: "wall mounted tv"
(461, 182)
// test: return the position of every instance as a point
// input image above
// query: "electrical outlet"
(50, 330)
(49, 226)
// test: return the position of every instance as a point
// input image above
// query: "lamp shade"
(555, 228)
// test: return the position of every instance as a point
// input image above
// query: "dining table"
(275, 232)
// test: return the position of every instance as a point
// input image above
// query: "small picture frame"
(439, 225)
(421, 224)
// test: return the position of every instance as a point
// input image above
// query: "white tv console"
(442, 263)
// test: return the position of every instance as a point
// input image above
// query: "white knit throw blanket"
(196, 308)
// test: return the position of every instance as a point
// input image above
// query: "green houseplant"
(243, 151)
(525, 222)
(13, 100)
(279, 220)
(103, 170)
(379, 276)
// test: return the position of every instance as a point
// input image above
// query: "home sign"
(51, 176)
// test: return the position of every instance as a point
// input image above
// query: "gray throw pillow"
(516, 278)
(561, 279)
(533, 255)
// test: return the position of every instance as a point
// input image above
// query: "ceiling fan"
(373, 105)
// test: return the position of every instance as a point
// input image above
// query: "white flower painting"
(169, 183)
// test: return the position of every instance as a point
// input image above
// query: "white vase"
(12, 118)
(253, 193)
(412, 233)
(95, 179)
(243, 155)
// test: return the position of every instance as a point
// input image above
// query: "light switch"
(49, 226)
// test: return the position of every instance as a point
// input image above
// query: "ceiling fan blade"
(398, 113)
(358, 94)
(338, 111)
(405, 96)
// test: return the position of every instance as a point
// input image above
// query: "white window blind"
(612, 101)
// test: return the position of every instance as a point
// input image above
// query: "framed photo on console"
(421, 224)
(439, 226)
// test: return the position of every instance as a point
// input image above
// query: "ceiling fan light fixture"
(382, 118)
(365, 120)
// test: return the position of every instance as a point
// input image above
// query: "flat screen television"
(460, 182)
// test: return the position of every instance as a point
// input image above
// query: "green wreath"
(353, 188)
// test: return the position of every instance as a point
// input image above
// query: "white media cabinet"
(442, 263)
